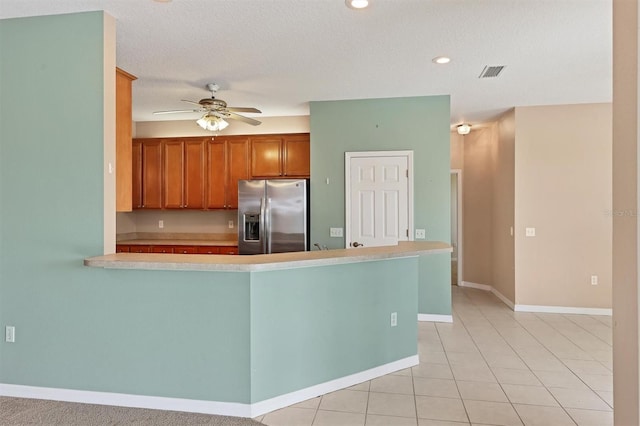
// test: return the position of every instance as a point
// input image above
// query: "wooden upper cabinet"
(183, 174)
(266, 156)
(296, 156)
(124, 178)
(216, 174)
(238, 168)
(203, 172)
(194, 180)
(151, 161)
(227, 162)
(280, 156)
(173, 173)
(136, 178)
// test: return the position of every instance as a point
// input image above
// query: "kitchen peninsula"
(266, 331)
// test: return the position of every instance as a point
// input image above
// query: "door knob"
(356, 244)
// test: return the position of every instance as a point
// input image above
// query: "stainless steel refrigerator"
(273, 216)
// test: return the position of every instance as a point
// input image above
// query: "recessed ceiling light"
(441, 59)
(357, 4)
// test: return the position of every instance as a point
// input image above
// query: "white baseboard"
(538, 308)
(563, 310)
(205, 407)
(127, 400)
(435, 318)
(476, 285)
(281, 401)
(504, 298)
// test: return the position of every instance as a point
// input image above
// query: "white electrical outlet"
(530, 232)
(594, 280)
(335, 232)
(421, 234)
(10, 334)
(161, 224)
(230, 224)
(394, 319)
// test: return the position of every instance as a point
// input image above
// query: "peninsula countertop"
(264, 262)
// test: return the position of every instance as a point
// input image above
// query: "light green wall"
(420, 124)
(344, 325)
(141, 332)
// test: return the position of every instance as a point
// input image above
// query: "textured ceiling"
(278, 55)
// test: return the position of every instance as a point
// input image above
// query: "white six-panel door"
(378, 198)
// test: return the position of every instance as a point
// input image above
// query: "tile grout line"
(489, 367)
(466, 412)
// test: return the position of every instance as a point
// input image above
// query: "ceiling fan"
(216, 111)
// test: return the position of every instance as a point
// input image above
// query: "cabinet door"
(173, 174)
(238, 168)
(194, 174)
(228, 250)
(208, 250)
(266, 156)
(151, 175)
(124, 167)
(296, 156)
(136, 161)
(161, 249)
(139, 249)
(122, 248)
(185, 249)
(216, 172)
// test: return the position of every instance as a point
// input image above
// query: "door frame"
(458, 173)
(347, 186)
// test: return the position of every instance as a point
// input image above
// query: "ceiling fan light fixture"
(212, 123)
(357, 4)
(463, 129)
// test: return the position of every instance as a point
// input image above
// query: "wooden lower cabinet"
(141, 248)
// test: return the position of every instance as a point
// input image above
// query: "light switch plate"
(335, 232)
(530, 232)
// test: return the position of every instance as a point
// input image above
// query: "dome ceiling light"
(357, 4)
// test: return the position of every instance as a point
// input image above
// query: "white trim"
(128, 400)
(458, 173)
(475, 285)
(563, 310)
(285, 400)
(347, 187)
(435, 318)
(539, 308)
(205, 407)
(504, 298)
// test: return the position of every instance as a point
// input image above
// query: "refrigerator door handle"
(263, 223)
(267, 224)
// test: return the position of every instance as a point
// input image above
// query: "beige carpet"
(22, 411)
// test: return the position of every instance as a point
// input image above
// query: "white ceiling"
(277, 55)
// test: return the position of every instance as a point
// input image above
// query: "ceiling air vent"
(491, 71)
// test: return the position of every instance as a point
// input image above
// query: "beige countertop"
(264, 262)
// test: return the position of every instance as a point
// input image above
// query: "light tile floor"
(492, 366)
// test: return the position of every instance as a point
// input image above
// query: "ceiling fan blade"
(239, 117)
(191, 102)
(243, 109)
(176, 111)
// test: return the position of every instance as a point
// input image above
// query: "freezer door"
(251, 217)
(286, 218)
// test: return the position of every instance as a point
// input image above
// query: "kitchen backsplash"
(180, 221)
